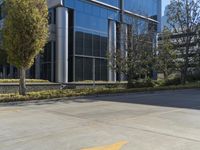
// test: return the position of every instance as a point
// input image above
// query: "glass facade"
(144, 7)
(47, 62)
(115, 3)
(91, 39)
(88, 35)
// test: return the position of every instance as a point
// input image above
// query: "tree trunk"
(183, 76)
(146, 76)
(129, 79)
(22, 82)
(185, 67)
(4, 71)
(165, 75)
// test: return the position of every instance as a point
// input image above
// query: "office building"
(83, 32)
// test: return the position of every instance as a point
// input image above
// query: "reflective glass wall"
(89, 47)
(145, 7)
(115, 3)
(90, 40)
(89, 36)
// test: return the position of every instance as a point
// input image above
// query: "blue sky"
(164, 3)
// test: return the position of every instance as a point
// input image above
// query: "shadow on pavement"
(189, 99)
(49, 102)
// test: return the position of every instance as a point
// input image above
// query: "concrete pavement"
(168, 120)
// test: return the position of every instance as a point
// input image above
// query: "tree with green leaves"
(184, 19)
(25, 33)
(166, 55)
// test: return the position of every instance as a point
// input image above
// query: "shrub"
(84, 92)
(193, 77)
(173, 81)
(27, 80)
(141, 83)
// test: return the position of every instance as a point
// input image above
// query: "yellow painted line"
(116, 146)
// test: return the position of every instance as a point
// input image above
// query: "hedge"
(27, 80)
(85, 92)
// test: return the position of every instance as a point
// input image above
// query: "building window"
(47, 61)
(79, 42)
(52, 16)
(88, 44)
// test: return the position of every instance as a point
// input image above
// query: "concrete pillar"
(62, 45)
(112, 49)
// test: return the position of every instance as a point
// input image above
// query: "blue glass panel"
(145, 7)
(111, 2)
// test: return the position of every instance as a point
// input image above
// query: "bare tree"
(136, 60)
(166, 55)
(184, 19)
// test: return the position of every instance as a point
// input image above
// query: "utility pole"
(93, 72)
(121, 11)
(122, 35)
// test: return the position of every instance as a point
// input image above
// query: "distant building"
(165, 18)
(194, 52)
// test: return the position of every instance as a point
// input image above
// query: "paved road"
(167, 120)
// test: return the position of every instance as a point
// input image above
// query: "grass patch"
(84, 92)
(27, 80)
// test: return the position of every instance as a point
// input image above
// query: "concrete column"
(62, 45)
(112, 49)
